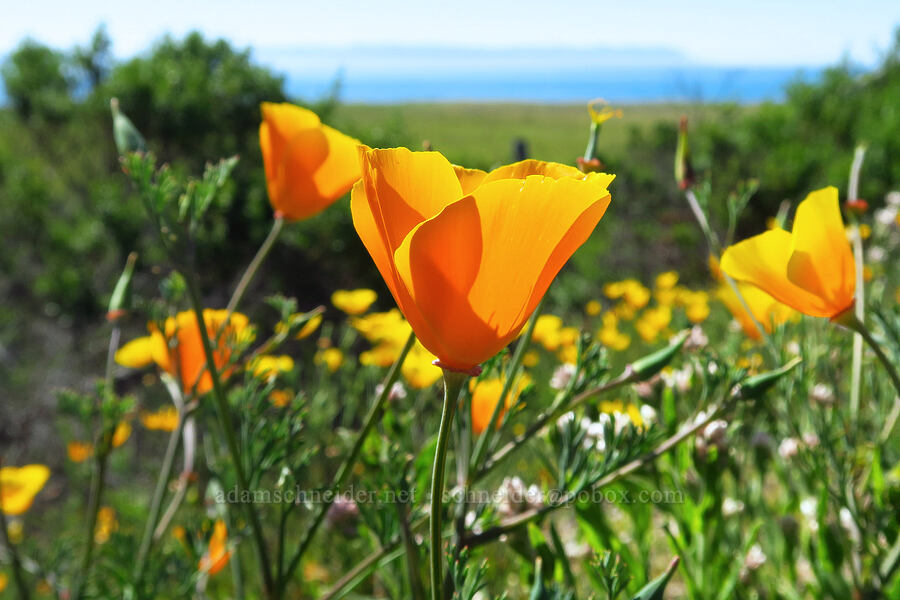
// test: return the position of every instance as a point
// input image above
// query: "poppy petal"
(137, 353)
(822, 261)
(528, 167)
(478, 269)
(762, 261)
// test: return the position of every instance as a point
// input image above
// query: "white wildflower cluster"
(755, 559)
(679, 379)
(789, 447)
(562, 376)
(514, 498)
(595, 431)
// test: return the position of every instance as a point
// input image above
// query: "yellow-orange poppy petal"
(19, 486)
(409, 187)
(821, 261)
(374, 240)
(308, 165)
(528, 167)
(136, 354)
(478, 269)
(763, 261)
(469, 179)
(767, 311)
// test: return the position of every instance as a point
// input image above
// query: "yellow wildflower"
(268, 367)
(593, 308)
(121, 434)
(79, 451)
(332, 358)
(354, 302)
(547, 331)
(165, 419)
(19, 486)
(106, 524)
(486, 395)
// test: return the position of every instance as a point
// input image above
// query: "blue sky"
(719, 32)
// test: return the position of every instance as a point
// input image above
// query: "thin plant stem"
(254, 265)
(860, 301)
(346, 466)
(18, 571)
(224, 413)
(453, 383)
(97, 484)
(715, 247)
(859, 327)
(156, 502)
(511, 374)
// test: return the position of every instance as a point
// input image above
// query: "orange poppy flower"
(810, 269)
(486, 395)
(308, 165)
(184, 357)
(19, 486)
(217, 553)
(466, 254)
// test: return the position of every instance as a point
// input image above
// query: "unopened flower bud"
(788, 448)
(822, 394)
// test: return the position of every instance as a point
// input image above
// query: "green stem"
(852, 195)
(254, 265)
(346, 466)
(18, 572)
(93, 508)
(850, 321)
(453, 383)
(511, 375)
(156, 502)
(224, 413)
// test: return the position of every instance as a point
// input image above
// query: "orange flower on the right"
(810, 269)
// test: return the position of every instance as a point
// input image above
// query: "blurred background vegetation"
(68, 217)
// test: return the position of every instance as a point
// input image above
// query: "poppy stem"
(453, 384)
(856, 238)
(850, 321)
(254, 265)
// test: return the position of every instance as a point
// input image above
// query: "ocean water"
(640, 84)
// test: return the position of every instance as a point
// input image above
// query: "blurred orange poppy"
(217, 553)
(466, 254)
(179, 349)
(810, 269)
(308, 165)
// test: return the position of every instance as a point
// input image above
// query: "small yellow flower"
(568, 354)
(19, 486)
(354, 302)
(593, 308)
(600, 111)
(4, 580)
(613, 339)
(614, 290)
(697, 312)
(531, 358)
(332, 358)
(106, 524)
(667, 280)
(624, 311)
(865, 232)
(547, 331)
(309, 327)
(121, 434)
(79, 451)
(382, 355)
(418, 368)
(268, 367)
(636, 295)
(165, 419)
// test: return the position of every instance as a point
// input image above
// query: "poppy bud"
(120, 301)
(858, 206)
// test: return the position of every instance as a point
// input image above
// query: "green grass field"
(482, 134)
